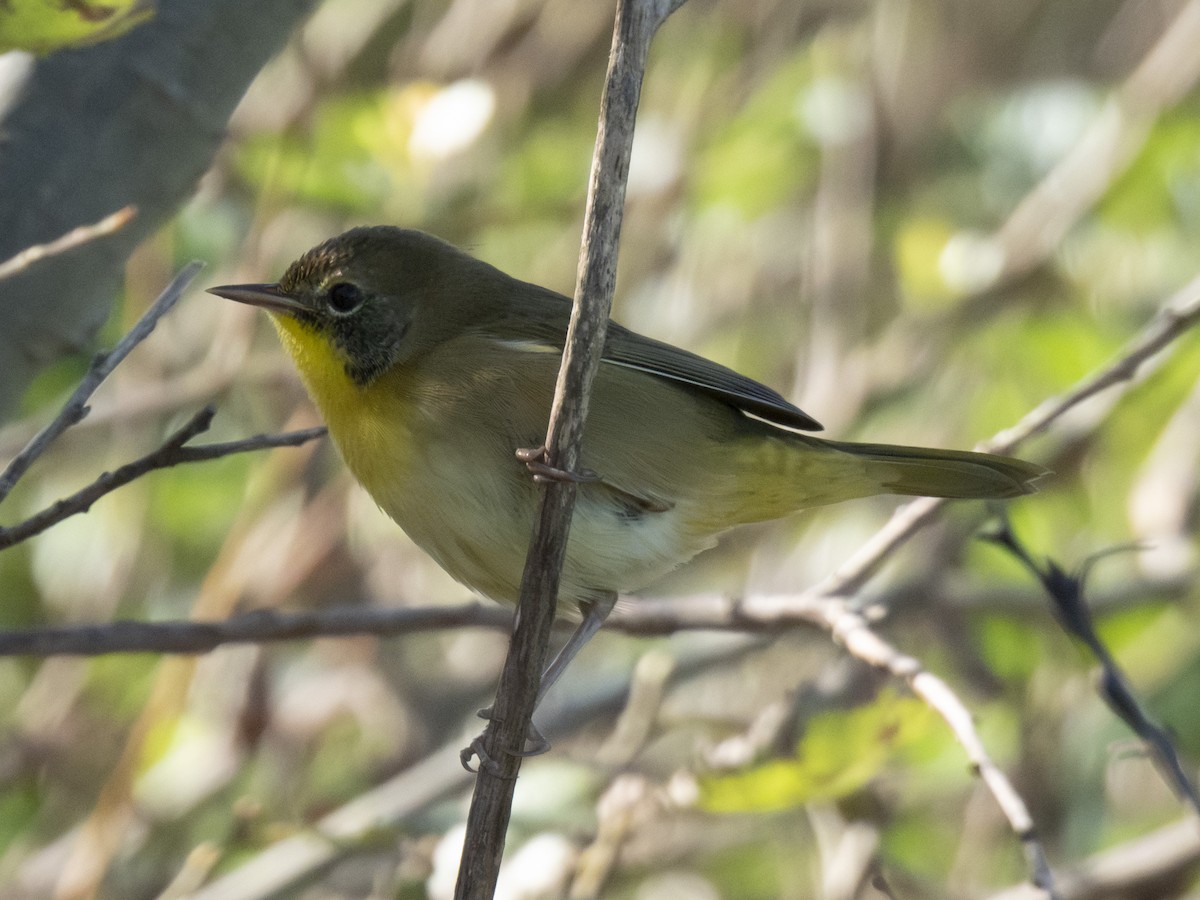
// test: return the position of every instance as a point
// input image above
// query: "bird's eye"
(345, 298)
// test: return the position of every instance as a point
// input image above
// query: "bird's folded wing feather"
(547, 326)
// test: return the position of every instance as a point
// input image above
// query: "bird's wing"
(543, 322)
(634, 351)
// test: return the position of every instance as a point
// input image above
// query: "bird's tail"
(954, 474)
(798, 471)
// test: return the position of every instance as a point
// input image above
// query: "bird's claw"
(476, 750)
(535, 461)
(535, 745)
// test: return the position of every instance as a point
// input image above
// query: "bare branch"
(1153, 865)
(76, 237)
(850, 628)
(1074, 614)
(260, 626)
(173, 452)
(102, 366)
(636, 23)
(1175, 317)
(758, 614)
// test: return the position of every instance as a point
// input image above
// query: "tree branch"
(1074, 614)
(487, 821)
(173, 452)
(1153, 865)
(102, 366)
(260, 626)
(850, 628)
(76, 237)
(1174, 318)
(1179, 314)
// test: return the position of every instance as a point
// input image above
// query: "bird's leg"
(594, 614)
(535, 460)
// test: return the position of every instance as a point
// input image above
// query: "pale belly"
(477, 523)
(436, 450)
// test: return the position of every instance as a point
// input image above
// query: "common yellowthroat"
(432, 368)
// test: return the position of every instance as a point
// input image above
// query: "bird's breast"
(433, 442)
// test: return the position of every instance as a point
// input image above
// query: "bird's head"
(372, 297)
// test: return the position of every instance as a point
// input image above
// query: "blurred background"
(918, 219)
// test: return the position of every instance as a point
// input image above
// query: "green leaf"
(43, 26)
(840, 752)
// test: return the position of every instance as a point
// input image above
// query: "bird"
(434, 372)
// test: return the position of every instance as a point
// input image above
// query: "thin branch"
(260, 626)
(172, 452)
(1152, 865)
(757, 614)
(648, 618)
(1075, 616)
(1144, 353)
(487, 821)
(1175, 317)
(282, 868)
(102, 366)
(77, 237)
(850, 628)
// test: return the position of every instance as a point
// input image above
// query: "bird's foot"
(475, 750)
(535, 461)
(535, 745)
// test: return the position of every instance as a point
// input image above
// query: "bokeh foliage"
(815, 198)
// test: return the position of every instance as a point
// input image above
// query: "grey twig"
(173, 452)
(850, 628)
(1152, 865)
(76, 237)
(102, 366)
(487, 821)
(260, 626)
(647, 618)
(1179, 314)
(1176, 316)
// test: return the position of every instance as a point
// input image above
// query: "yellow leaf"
(840, 752)
(43, 26)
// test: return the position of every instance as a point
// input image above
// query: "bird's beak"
(269, 296)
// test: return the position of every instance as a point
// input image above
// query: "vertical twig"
(487, 822)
